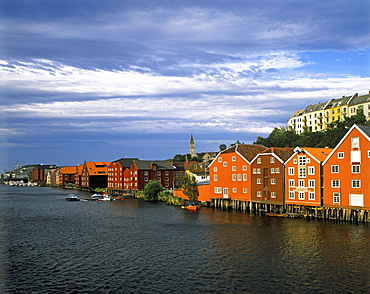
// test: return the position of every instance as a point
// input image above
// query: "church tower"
(192, 148)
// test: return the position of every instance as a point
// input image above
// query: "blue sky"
(100, 80)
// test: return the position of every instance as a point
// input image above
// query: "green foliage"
(190, 188)
(282, 137)
(222, 147)
(179, 158)
(151, 190)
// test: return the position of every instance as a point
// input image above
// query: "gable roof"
(97, 168)
(283, 153)
(125, 162)
(68, 170)
(147, 164)
(318, 154)
(365, 130)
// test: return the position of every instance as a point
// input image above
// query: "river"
(50, 245)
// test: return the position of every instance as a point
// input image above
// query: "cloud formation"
(225, 71)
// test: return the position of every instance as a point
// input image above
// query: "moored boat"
(72, 197)
(192, 207)
(96, 196)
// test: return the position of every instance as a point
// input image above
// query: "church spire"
(192, 148)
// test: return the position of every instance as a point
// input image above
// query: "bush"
(152, 190)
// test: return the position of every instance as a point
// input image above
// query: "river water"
(50, 245)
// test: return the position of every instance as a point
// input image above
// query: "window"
(235, 190)
(335, 183)
(356, 184)
(277, 170)
(254, 171)
(215, 178)
(311, 170)
(218, 190)
(273, 194)
(145, 173)
(291, 183)
(301, 195)
(336, 198)
(259, 194)
(302, 160)
(272, 170)
(258, 171)
(302, 172)
(245, 190)
(340, 155)
(195, 166)
(239, 177)
(272, 159)
(355, 142)
(308, 160)
(234, 177)
(167, 179)
(334, 169)
(311, 195)
(291, 171)
(273, 181)
(233, 158)
(220, 159)
(259, 181)
(355, 169)
(259, 161)
(215, 169)
(244, 177)
(291, 195)
(301, 183)
(233, 168)
(368, 154)
(224, 164)
(295, 161)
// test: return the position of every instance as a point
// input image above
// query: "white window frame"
(233, 177)
(340, 155)
(301, 172)
(259, 194)
(244, 167)
(311, 183)
(334, 169)
(291, 183)
(258, 181)
(273, 181)
(311, 195)
(259, 160)
(291, 171)
(356, 183)
(273, 194)
(336, 198)
(272, 159)
(300, 183)
(356, 169)
(233, 168)
(311, 170)
(301, 195)
(335, 183)
(233, 158)
(291, 195)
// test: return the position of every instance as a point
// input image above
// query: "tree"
(222, 147)
(190, 188)
(152, 190)
(179, 158)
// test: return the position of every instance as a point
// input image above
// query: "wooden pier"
(354, 215)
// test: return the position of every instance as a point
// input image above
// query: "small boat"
(106, 197)
(278, 214)
(72, 197)
(96, 196)
(192, 207)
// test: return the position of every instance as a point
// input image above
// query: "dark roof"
(179, 166)
(126, 162)
(365, 129)
(147, 164)
(360, 99)
(247, 151)
(283, 153)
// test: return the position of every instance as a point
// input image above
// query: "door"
(226, 192)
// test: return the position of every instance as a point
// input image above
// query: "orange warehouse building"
(230, 173)
(304, 176)
(347, 171)
(267, 178)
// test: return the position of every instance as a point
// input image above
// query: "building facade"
(347, 171)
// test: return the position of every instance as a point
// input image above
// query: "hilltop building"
(317, 117)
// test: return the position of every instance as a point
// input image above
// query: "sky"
(93, 80)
